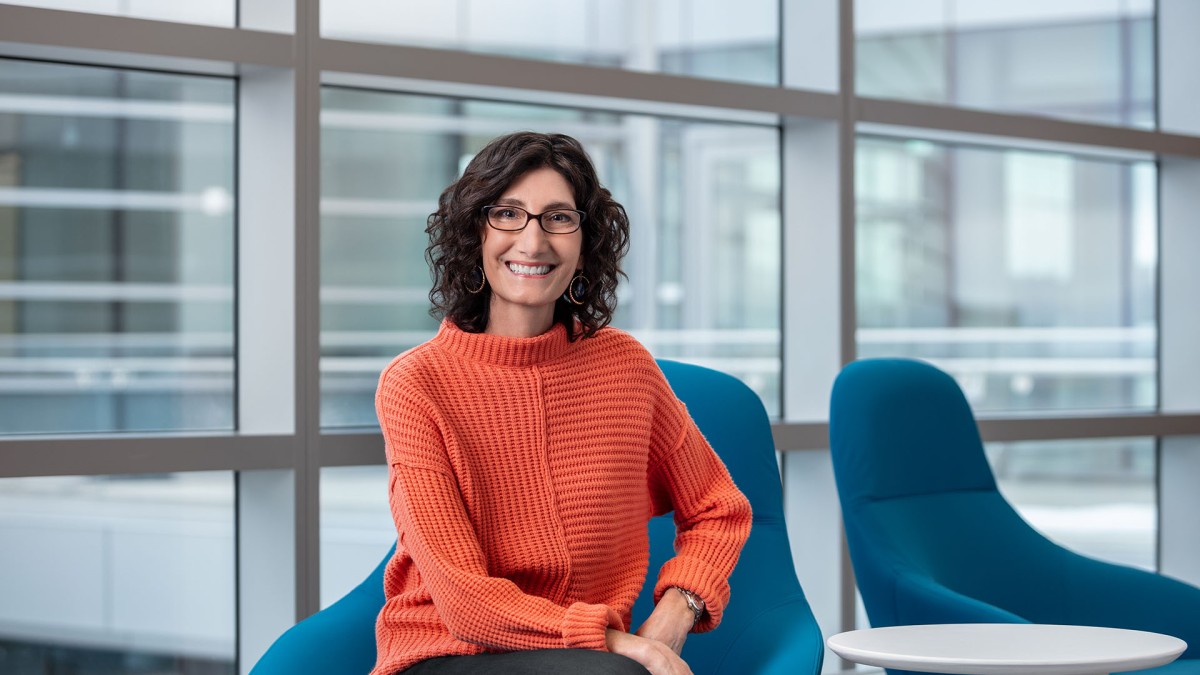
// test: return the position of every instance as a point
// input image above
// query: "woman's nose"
(533, 237)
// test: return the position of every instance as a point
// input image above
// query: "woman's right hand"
(658, 658)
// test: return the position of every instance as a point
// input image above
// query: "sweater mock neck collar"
(503, 351)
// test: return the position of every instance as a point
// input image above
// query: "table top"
(1007, 648)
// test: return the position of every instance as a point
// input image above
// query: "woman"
(529, 444)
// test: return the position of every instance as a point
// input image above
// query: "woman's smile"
(528, 269)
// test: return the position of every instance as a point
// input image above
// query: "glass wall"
(700, 38)
(120, 575)
(1088, 61)
(116, 250)
(1029, 276)
(703, 201)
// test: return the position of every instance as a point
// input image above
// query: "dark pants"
(533, 662)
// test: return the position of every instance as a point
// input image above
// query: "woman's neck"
(520, 322)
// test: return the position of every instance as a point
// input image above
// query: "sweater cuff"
(699, 577)
(585, 624)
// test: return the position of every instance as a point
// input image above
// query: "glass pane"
(116, 250)
(1030, 277)
(1091, 61)
(356, 527)
(208, 12)
(124, 575)
(704, 193)
(703, 38)
(1096, 497)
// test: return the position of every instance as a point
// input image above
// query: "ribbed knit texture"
(523, 472)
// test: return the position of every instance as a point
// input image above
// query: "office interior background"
(212, 236)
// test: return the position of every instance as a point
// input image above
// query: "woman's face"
(529, 270)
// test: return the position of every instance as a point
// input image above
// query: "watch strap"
(694, 602)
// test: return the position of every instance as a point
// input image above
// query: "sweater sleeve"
(434, 528)
(712, 517)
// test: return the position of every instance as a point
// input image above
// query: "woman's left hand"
(670, 621)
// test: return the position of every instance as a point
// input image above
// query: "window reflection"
(1086, 61)
(1030, 277)
(116, 250)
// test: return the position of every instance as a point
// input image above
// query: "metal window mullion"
(914, 118)
(118, 41)
(847, 224)
(812, 322)
(408, 63)
(131, 455)
(308, 318)
(271, 357)
(1179, 276)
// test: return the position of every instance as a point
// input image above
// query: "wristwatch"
(694, 602)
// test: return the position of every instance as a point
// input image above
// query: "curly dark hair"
(456, 231)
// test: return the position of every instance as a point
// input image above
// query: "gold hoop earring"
(482, 280)
(578, 288)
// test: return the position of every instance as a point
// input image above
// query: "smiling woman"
(530, 268)
(473, 240)
(529, 444)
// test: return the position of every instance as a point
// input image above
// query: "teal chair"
(932, 540)
(768, 628)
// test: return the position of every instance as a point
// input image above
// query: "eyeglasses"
(515, 218)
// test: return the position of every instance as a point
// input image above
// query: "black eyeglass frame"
(486, 211)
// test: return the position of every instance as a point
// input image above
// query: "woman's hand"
(670, 621)
(654, 655)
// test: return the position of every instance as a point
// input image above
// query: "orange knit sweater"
(523, 472)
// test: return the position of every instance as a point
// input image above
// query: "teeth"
(529, 269)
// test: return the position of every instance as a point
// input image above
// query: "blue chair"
(768, 627)
(933, 541)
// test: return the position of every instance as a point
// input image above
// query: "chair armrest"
(1105, 594)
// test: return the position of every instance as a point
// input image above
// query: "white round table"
(1007, 649)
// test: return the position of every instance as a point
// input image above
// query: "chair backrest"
(734, 422)
(904, 428)
(768, 627)
(932, 539)
(919, 500)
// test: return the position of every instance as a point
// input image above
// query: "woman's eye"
(506, 213)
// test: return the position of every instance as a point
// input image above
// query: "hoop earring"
(578, 288)
(477, 277)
